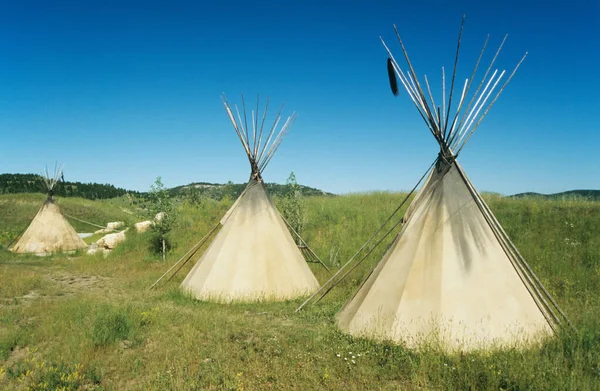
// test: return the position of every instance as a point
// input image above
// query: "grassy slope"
(589, 195)
(68, 321)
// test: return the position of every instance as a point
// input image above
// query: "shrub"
(112, 325)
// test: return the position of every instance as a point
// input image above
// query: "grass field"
(89, 322)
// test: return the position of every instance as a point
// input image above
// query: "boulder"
(110, 227)
(110, 241)
(93, 249)
(159, 216)
(114, 225)
(143, 226)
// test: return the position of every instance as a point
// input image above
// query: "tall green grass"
(117, 334)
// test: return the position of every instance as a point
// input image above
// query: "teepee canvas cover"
(452, 275)
(449, 275)
(253, 257)
(49, 231)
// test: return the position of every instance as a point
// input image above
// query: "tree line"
(33, 183)
(232, 190)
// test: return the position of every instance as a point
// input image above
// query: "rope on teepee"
(306, 247)
(535, 287)
(194, 249)
(187, 256)
(334, 284)
(18, 236)
(83, 221)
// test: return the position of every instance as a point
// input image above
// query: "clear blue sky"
(122, 91)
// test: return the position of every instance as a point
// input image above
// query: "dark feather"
(392, 77)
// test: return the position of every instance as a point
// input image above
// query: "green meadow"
(79, 322)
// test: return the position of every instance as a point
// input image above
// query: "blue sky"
(124, 91)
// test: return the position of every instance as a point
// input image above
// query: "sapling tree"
(193, 196)
(227, 192)
(294, 209)
(162, 212)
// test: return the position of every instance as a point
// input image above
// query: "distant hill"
(233, 190)
(33, 183)
(571, 194)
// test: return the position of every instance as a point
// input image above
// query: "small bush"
(10, 340)
(156, 244)
(148, 317)
(6, 346)
(33, 372)
(180, 297)
(112, 325)
(57, 377)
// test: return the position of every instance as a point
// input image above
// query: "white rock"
(143, 226)
(114, 225)
(110, 241)
(93, 249)
(159, 216)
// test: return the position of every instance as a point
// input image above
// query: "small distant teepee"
(49, 231)
(253, 257)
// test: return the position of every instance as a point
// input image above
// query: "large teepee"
(451, 276)
(253, 257)
(49, 231)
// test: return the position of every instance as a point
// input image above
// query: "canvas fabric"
(445, 279)
(48, 232)
(253, 257)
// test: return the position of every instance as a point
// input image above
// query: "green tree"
(227, 195)
(193, 196)
(162, 212)
(294, 208)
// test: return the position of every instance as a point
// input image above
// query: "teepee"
(452, 276)
(253, 257)
(49, 231)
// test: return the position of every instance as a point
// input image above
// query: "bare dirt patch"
(30, 296)
(62, 285)
(25, 299)
(17, 354)
(76, 283)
